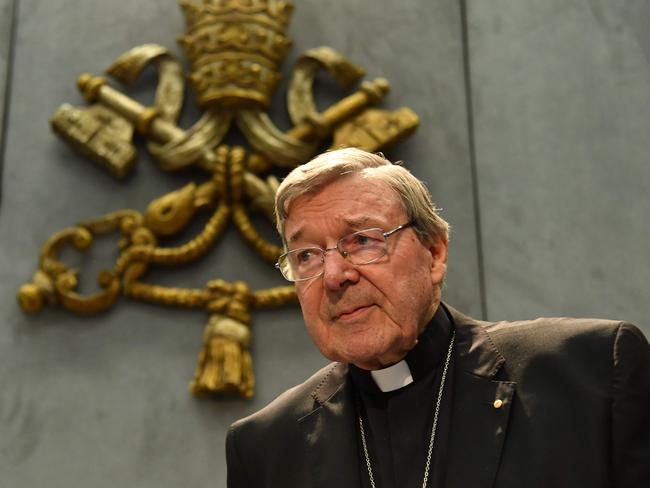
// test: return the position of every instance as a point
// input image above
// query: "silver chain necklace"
(433, 428)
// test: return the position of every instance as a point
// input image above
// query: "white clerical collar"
(393, 377)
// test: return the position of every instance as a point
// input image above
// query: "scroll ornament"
(235, 49)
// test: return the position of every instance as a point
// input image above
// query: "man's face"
(369, 315)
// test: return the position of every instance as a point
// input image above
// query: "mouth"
(353, 313)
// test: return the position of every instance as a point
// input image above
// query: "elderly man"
(419, 395)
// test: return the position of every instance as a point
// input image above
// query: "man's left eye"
(364, 240)
(361, 240)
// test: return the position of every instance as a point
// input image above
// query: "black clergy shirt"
(398, 424)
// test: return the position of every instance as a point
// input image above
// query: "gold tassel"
(225, 364)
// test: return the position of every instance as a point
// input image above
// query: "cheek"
(309, 303)
(417, 298)
(321, 336)
(310, 307)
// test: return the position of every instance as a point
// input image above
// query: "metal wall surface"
(103, 401)
(561, 92)
(6, 24)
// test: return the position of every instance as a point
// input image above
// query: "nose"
(338, 271)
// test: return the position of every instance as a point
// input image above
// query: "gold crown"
(235, 48)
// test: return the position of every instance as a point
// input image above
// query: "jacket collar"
(476, 353)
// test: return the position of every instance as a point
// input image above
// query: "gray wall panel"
(6, 23)
(561, 91)
(102, 401)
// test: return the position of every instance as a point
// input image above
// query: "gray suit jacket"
(575, 413)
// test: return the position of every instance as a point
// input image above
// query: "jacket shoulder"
(553, 332)
(548, 340)
(293, 404)
(583, 347)
(261, 446)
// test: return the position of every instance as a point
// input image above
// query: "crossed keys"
(235, 48)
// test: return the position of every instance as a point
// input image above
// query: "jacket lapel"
(330, 434)
(481, 407)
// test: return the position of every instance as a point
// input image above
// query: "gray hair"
(327, 167)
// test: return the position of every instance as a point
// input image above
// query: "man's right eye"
(305, 256)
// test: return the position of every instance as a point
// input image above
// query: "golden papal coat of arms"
(235, 49)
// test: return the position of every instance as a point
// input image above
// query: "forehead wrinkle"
(352, 223)
(377, 193)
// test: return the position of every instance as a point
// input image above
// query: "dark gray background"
(535, 118)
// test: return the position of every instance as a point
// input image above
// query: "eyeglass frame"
(344, 254)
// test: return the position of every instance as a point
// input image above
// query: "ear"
(438, 250)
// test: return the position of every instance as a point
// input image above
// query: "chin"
(366, 349)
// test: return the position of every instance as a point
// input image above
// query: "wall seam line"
(472, 155)
(4, 116)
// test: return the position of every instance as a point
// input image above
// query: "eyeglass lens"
(360, 247)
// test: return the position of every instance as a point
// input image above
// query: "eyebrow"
(352, 223)
(356, 223)
(295, 236)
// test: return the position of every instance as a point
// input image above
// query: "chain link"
(365, 452)
(436, 411)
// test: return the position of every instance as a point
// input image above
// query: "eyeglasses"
(362, 247)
